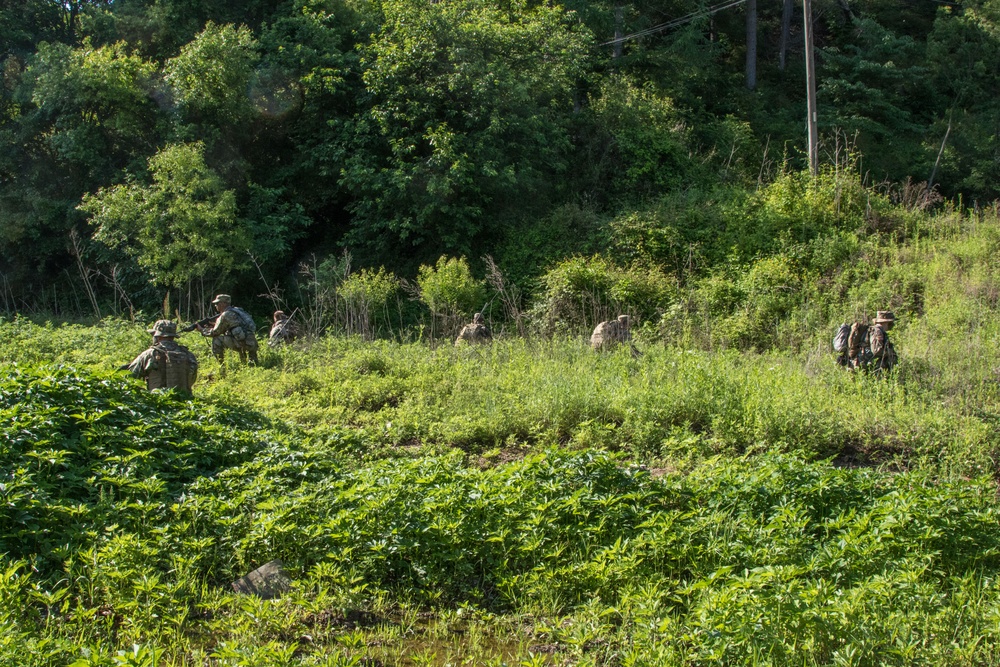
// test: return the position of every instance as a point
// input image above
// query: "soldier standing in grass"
(476, 332)
(166, 364)
(883, 354)
(866, 346)
(234, 330)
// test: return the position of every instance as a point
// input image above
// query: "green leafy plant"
(450, 292)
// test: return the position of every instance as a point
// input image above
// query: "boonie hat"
(279, 315)
(884, 316)
(222, 298)
(164, 329)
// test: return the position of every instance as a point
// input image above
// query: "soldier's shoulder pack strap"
(246, 321)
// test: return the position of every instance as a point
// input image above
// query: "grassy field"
(526, 503)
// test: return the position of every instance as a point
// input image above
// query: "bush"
(528, 247)
(581, 291)
(364, 296)
(450, 292)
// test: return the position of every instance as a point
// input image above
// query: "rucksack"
(840, 338)
(246, 321)
(857, 341)
(173, 367)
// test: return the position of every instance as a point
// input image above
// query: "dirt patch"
(505, 455)
(884, 455)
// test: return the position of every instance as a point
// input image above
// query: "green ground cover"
(529, 502)
(523, 504)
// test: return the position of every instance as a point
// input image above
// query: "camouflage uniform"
(608, 335)
(883, 354)
(282, 331)
(233, 330)
(476, 332)
(166, 364)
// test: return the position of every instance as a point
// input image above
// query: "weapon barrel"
(199, 323)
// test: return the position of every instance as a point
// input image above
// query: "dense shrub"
(365, 296)
(582, 291)
(450, 292)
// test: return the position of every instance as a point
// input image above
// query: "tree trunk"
(786, 29)
(846, 8)
(619, 33)
(751, 44)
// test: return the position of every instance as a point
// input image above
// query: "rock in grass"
(268, 581)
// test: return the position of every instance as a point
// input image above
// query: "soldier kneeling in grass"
(283, 330)
(234, 330)
(476, 332)
(610, 334)
(166, 364)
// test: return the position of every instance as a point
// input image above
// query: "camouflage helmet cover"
(164, 329)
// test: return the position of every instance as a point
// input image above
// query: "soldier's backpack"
(840, 338)
(246, 328)
(172, 370)
(858, 348)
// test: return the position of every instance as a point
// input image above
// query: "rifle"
(200, 323)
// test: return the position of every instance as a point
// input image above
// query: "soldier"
(476, 332)
(166, 364)
(234, 330)
(607, 335)
(883, 354)
(283, 330)
(612, 333)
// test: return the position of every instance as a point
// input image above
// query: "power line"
(708, 11)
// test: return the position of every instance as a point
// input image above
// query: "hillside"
(524, 503)
(383, 169)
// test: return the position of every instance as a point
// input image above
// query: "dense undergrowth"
(123, 532)
(529, 502)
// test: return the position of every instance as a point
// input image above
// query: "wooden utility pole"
(811, 88)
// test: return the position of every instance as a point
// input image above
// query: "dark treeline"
(195, 145)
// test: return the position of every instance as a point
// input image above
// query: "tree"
(876, 88)
(786, 29)
(75, 119)
(647, 152)
(312, 85)
(96, 107)
(209, 78)
(964, 53)
(467, 112)
(751, 79)
(184, 224)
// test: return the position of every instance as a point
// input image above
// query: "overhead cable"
(708, 11)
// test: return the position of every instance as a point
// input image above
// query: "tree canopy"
(184, 136)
